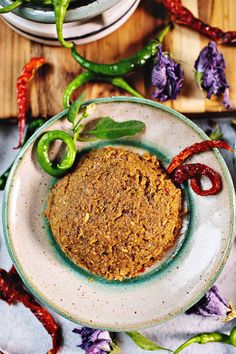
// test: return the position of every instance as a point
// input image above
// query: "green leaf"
(107, 128)
(143, 342)
(198, 78)
(74, 109)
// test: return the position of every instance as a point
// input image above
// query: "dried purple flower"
(210, 73)
(213, 305)
(167, 77)
(94, 341)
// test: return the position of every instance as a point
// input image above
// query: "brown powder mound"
(116, 214)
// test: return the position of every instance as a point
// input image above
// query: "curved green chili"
(80, 80)
(32, 127)
(124, 66)
(9, 8)
(60, 8)
(203, 339)
(233, 337)
(42, 153)
(87, 76)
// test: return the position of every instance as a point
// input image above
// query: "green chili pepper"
(60, 8)
(80, 80)
(124, 66)
(203, 339)
(42, 153)
(233, 337)
(9, 8)
(87, 76)
(32, 127)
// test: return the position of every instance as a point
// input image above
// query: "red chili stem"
(196, 149)
(22, 93)
(194, 172)
(183, 16)
(12, 290)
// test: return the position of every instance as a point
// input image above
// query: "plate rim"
(228, 179)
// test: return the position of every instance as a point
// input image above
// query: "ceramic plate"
(166, 290)
(79, 10)
(77, 31)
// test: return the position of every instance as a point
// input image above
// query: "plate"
(76, 12)
(158, 295)
(76, 31)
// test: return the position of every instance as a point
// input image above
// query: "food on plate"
(116, 214)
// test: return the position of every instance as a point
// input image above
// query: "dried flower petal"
(167, 77)
(94, 341)
(213, 305)
(210, 73)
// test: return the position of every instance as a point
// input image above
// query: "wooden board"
(185, 45)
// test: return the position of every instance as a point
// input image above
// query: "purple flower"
(210, 73)
(94, 341)
(213, 305)
(167, 77)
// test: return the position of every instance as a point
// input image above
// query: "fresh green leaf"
(107, 128)
(143, 342)
(74, 109)
(198, 78)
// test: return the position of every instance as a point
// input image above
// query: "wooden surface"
(48, 86)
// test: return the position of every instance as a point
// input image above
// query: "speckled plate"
(162, 292)
(79, 10)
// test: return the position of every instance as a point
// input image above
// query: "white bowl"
(80, 32)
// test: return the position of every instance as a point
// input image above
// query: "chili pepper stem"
(13, 6)
(161, 35)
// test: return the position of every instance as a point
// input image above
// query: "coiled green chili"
(47, 165)
(124, 66)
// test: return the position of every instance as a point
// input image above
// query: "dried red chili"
(22, 92)
(195, 149)
(183, 16)
(194, 172)
(12, 290)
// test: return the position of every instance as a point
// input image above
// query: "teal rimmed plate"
(168, 289)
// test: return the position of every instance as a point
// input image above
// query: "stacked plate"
(84, 24)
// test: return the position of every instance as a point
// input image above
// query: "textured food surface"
(116, 213)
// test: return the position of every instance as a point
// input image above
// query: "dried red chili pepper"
(194, 172)
(22, 92)
(196, 149)
(183, 16)
(12, 290)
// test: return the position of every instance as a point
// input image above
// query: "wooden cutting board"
(48, 86)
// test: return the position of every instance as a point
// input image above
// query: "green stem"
(11, 7)
(123, 84)
(161, 35)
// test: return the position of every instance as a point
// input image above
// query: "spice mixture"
(116, 213)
